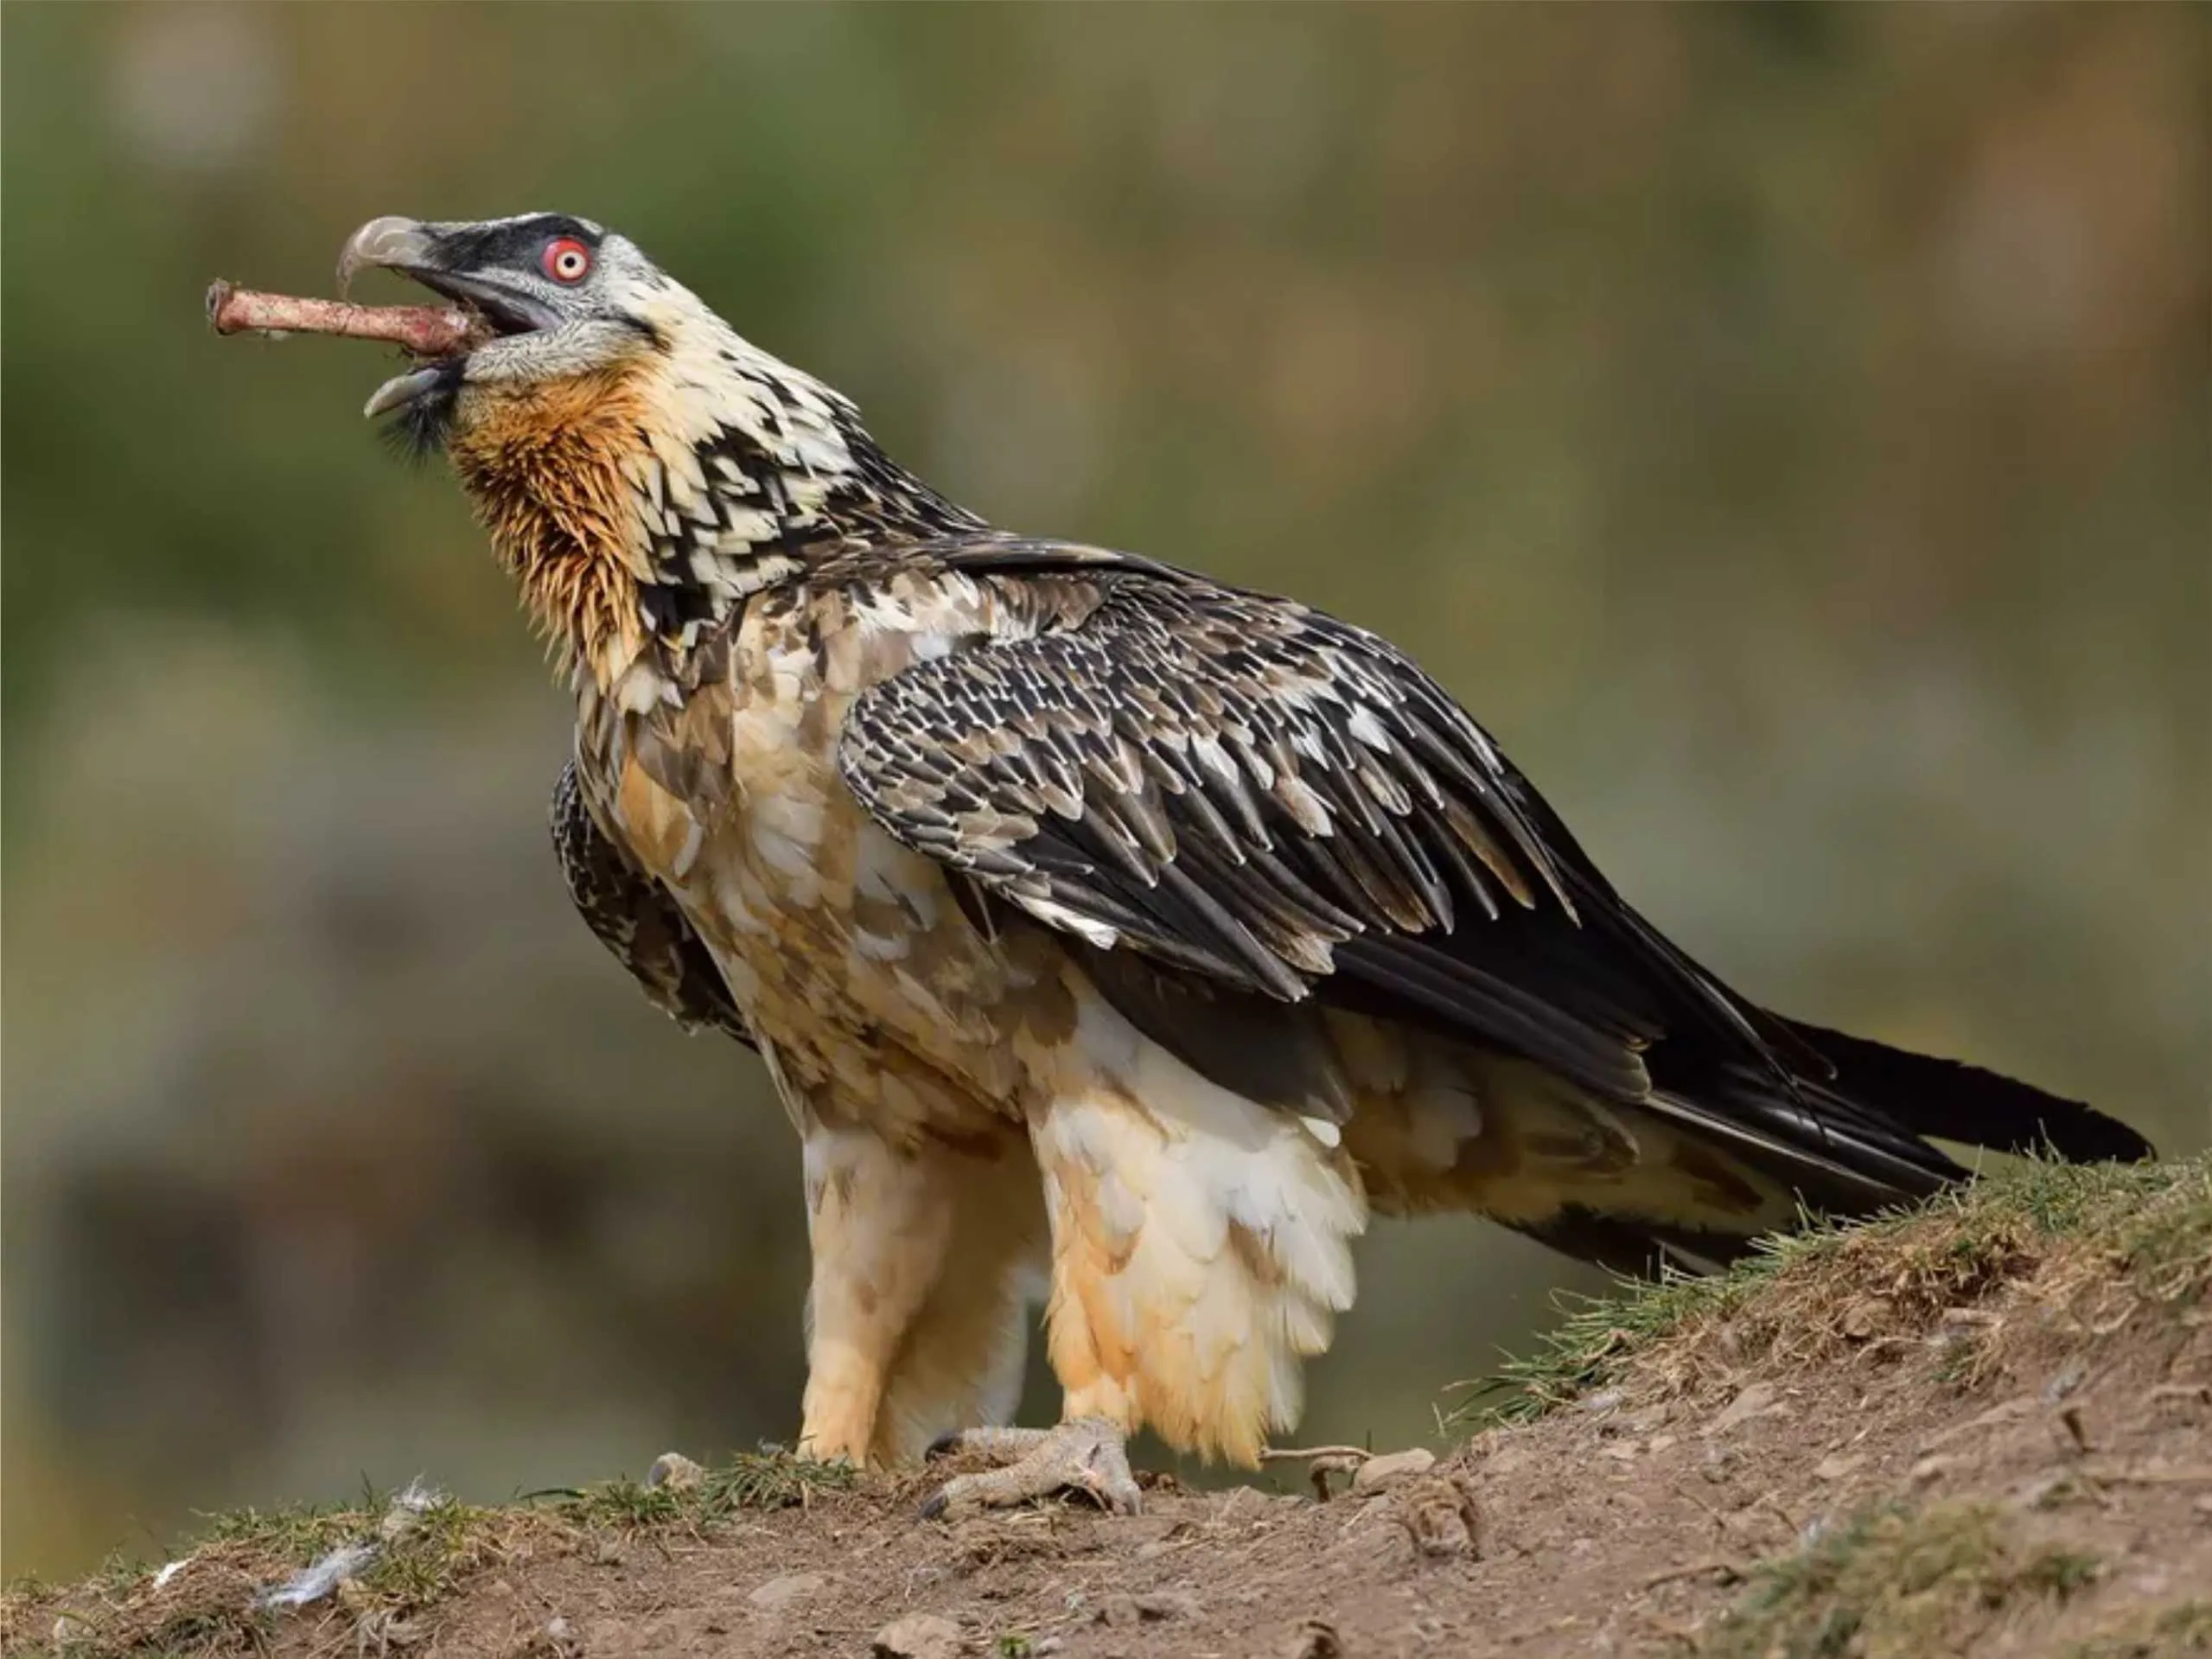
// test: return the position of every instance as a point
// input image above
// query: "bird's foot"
(1084, 1454)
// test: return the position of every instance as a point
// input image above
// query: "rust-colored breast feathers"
(549, 469)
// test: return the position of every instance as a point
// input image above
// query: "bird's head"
(641, 466)
(557, 298)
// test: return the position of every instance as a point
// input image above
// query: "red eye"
(566, 259)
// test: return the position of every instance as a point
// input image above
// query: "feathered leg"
(924, 1261)
(1201, 1250)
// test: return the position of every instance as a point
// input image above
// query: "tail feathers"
(1722, 1164)
(1949, 1099)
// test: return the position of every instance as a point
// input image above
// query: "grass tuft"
(2102, 1242)
(212, 1603)
(767, 1480)
(2152, 1633)
(1891, 1583)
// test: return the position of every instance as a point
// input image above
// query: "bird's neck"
(638, 507)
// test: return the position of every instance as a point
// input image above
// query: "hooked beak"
(418, 252)
(390, 244)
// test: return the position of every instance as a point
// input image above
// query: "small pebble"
(1378, 1472)
(1754, 1401)
(918, 1635)
(789, 1587)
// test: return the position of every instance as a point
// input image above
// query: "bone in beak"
(392, 242)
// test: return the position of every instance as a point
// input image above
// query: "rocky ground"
(1986, 1427)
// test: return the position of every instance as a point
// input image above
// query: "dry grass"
(2079, 1248)
(2168, 1633)
(213, 1599)
(1896, 1584)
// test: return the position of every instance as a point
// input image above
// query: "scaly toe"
(1086, 1455)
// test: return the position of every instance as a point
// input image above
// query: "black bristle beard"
(419, 431)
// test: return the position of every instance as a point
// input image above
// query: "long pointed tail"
(1724, 1159)
(1947, 1099)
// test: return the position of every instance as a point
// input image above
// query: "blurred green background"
(1787, 427)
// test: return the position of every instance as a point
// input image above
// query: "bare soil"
(1976, 1433)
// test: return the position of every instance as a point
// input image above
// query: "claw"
(1086, 1454)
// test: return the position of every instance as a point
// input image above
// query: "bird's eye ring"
(566, 259)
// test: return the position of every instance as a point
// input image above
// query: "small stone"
(675, 1472)
(1863, 1318)
(1660, 1443)
(1835, 1467)
(790, 1587)
(1119, 1611)
(1755, 1400)
(1314, 1639)
(918, 1635)
(560, 1636)
(1378, 1472)
(1929, 1470)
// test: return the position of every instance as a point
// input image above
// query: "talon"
(944, 1445)
(1085, 1454)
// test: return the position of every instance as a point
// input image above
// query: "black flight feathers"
(1281, 809)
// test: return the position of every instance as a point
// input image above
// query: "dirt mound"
(1985, 1427)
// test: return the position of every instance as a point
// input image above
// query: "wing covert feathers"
(1238, 787)
(1269, 808)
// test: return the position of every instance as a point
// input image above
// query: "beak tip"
(390, 240)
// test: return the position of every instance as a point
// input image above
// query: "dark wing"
(1261, 802)
(635, 918)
